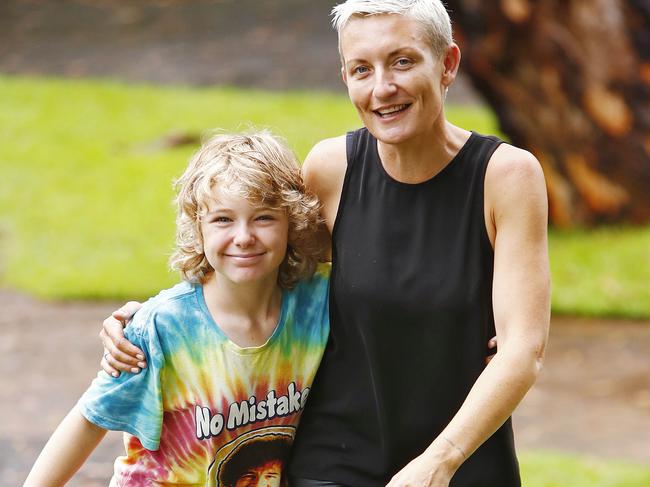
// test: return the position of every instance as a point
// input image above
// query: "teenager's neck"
(425, 155)
(252, 304)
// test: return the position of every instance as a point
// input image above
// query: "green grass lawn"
(85, 195)
(603, 272)
(555, 470)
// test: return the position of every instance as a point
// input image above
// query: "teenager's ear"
(344, 76)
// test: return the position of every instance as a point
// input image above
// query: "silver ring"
(107, 353)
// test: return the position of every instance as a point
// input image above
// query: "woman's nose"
(384, 85)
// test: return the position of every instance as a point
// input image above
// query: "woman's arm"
(65, 452)
(516, 217)
(119, 353)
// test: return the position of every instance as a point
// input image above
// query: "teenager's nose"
(384, 85)
(243, 235)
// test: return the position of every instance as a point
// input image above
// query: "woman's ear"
(451, 62)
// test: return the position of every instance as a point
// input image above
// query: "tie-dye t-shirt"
(206, 411)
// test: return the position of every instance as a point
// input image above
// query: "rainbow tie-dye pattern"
(205, 410)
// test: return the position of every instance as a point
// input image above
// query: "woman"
(438, 241)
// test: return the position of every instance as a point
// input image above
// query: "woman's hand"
(431, 468)
(119, 353)
(437, 465)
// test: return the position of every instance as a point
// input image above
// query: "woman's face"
(394, 79)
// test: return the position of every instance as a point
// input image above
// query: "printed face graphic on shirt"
(266, 475)
(255, 459)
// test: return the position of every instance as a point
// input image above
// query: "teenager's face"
(394, 79)
(267, 475)
(244, 243)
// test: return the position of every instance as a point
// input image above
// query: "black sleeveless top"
(411, 315)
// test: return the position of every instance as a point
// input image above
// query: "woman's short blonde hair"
(259, 167)
(430, 14)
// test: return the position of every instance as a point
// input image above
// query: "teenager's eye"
(220, 219)
(403, 62)
(265, 218)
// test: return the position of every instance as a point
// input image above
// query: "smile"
(392, 110)
(244, 256)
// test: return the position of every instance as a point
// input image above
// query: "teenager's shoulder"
(320, 279)
(306, 308)
(314, 291)
(168, 304)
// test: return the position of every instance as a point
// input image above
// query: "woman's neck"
(423, 156)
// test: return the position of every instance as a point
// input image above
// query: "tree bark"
(569, 80)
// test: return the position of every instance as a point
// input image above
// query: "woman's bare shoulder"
(324, 166)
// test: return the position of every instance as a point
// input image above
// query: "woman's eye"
(403, 62)
(265, 217)
(221, 219)
(360, 70)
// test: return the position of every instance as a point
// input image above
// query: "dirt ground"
(593, 397)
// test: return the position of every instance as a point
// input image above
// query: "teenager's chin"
(248, 276)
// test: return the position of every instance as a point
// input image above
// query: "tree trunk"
(569, 80)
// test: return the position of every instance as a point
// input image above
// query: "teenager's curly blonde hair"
(257, 166)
